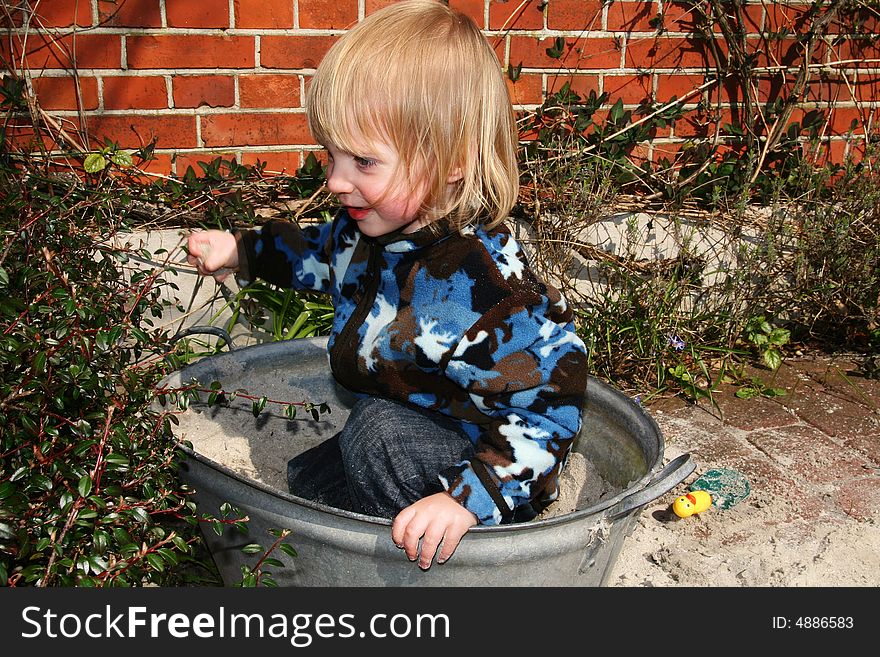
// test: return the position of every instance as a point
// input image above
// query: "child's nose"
(337, 181)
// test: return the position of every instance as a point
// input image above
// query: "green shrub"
(88, 489)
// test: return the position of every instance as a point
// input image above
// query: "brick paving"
(820, 441)
(812, 458)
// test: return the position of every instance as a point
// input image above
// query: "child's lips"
(357, 213)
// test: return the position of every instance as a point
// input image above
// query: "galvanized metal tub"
(340, 548)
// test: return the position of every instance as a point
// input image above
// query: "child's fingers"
(398, 527)
(200, 253)
(430, 542)
(412, 530)
(450, 541)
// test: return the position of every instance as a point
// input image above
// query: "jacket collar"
(399, 242)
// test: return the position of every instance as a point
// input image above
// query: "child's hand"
(433, 519)
(213, 253)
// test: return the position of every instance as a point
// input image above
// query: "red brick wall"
(226, 77)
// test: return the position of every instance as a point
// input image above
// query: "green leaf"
(252, 548)
(94, 163)
(779, 336)
(556, 50)
(84, 486)
(122, 159)
(7, 488)
(156, 562)
(513, 72)
(140, 514)
(773, 359)
(287, 549)
(746, 393)
(4, 278)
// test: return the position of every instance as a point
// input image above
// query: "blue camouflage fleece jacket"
(452, 322)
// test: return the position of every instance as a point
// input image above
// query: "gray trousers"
(386, 457)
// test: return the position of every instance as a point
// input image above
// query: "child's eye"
(364, 162)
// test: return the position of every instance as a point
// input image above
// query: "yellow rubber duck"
(696, 501)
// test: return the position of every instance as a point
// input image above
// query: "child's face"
(362, 182)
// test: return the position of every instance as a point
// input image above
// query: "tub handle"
(223, 334)
(665, 480)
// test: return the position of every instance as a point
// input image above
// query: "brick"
(61, 93)
(133, 131)
(824, 463)
(837, 89)
(62, 14)
(203, 90)
(640, 153)
(371, 6)
(182, 161)
(767, 88)
(131, 92)
(574, 15)
(160, 164)
(840, 374)
(585, 53)
(580, 83)
(834, 415)
(263, 14)
(327, 14)
(471, 8)
(787, 17)
(631, 17)
(514, 14)
(751, 414)
(860, 499)
(268, 90)
(631, 89)
(678, 85)
(204, 13)
(130, 13)
(665, 52)
(83, 52)
(177, 51)
(21, 137)
(753, 18)
(251, 129)
(682, 17)
(782, 52)
(698, 124)
(860, 47)
(844, 119)
(527, 90)
(280, 163)
(864, 15)
(294, 52)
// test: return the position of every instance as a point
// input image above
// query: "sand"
(764, 540)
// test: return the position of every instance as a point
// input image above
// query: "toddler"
(469, 375)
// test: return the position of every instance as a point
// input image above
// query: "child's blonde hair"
(422, 78)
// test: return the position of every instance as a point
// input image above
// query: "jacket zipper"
(347, 342)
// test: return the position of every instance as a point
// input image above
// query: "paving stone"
(832, 414)
(809, 454)
(753, 413)
(860, 498)
(866, 443)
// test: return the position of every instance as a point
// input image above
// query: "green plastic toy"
(727, 487)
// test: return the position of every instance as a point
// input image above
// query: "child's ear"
(455, 175)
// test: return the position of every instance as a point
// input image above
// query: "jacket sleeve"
(282, 253)
(527, 374)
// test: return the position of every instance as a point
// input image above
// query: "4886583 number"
(824, 622)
